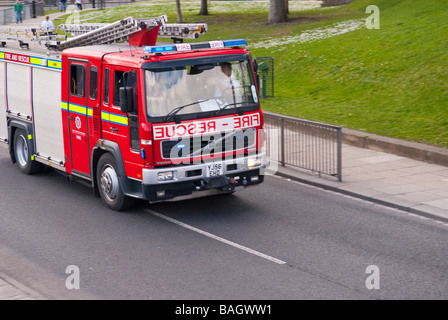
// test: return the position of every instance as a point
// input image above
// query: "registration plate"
(214, 170)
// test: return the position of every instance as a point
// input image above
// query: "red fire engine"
(136, 119)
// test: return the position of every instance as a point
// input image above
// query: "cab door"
(122, 128)
(93, 103)
(78, 116)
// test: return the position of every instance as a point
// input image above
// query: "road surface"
(279, 241)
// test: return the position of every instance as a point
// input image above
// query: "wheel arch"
(27, 128)
(102, 147)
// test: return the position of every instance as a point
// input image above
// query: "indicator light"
(165, 176)
(251, 163)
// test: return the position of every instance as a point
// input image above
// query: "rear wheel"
(22, 154)
(109, 185)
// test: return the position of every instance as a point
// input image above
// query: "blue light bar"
(196, 46)
(156, 49)
(234, 43)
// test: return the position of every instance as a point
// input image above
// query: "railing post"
(339, 156)
(34, 9)
(282, 141)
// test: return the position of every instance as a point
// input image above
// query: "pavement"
(408, 176)
(11, 289)
(404, 175)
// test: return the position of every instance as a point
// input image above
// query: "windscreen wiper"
(228, 105)
(173, 112)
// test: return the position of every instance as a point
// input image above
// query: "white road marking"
(207, 234)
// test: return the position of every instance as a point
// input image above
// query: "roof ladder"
(103, 33)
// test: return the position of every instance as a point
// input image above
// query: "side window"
(131, 81)
(106, 86)
(118, 83)
(93, 87)
(77, 80)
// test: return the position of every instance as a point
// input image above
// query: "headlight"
(165, 176)
(254, 162)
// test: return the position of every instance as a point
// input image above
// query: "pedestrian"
(63, 5)
(18, 8)
(47, 25)
(79, 4)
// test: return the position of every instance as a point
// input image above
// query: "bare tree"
(204, 8)
(277, 11)
(179, 12)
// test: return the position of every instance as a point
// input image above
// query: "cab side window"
(77, 80)
(118, 83)
(125, 79)
(106, 86)
(93, 85)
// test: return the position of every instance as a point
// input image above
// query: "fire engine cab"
(135, 118)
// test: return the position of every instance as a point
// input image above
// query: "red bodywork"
(91, 117)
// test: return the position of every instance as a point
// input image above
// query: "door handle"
(113, 129)
(70, 118)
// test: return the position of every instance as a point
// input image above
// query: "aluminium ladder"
(99, 33)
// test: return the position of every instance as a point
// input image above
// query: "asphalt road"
(278, 241)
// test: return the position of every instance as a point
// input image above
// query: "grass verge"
(391, 81)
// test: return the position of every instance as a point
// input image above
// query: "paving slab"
(11, 289)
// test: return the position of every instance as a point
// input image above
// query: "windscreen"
(196, 89)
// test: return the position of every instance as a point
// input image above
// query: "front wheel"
(22, 154)
(109, 185)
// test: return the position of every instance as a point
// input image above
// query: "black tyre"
(109, 185)
(22, 154)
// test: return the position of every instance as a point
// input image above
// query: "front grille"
(208, 144)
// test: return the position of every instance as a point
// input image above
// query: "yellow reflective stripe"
(90, 112)
(37, 61)
(64, 106)
(77, 109)
(118, 119)
(2, 55)
(104, 116)
(54, 64)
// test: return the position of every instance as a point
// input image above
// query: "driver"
(227, 84)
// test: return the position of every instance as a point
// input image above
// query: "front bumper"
(192, 180)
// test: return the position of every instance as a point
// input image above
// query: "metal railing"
(98, 4)
(305, 144)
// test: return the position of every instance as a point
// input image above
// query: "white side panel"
(47, 114)
(19, 89)
(3, 127)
